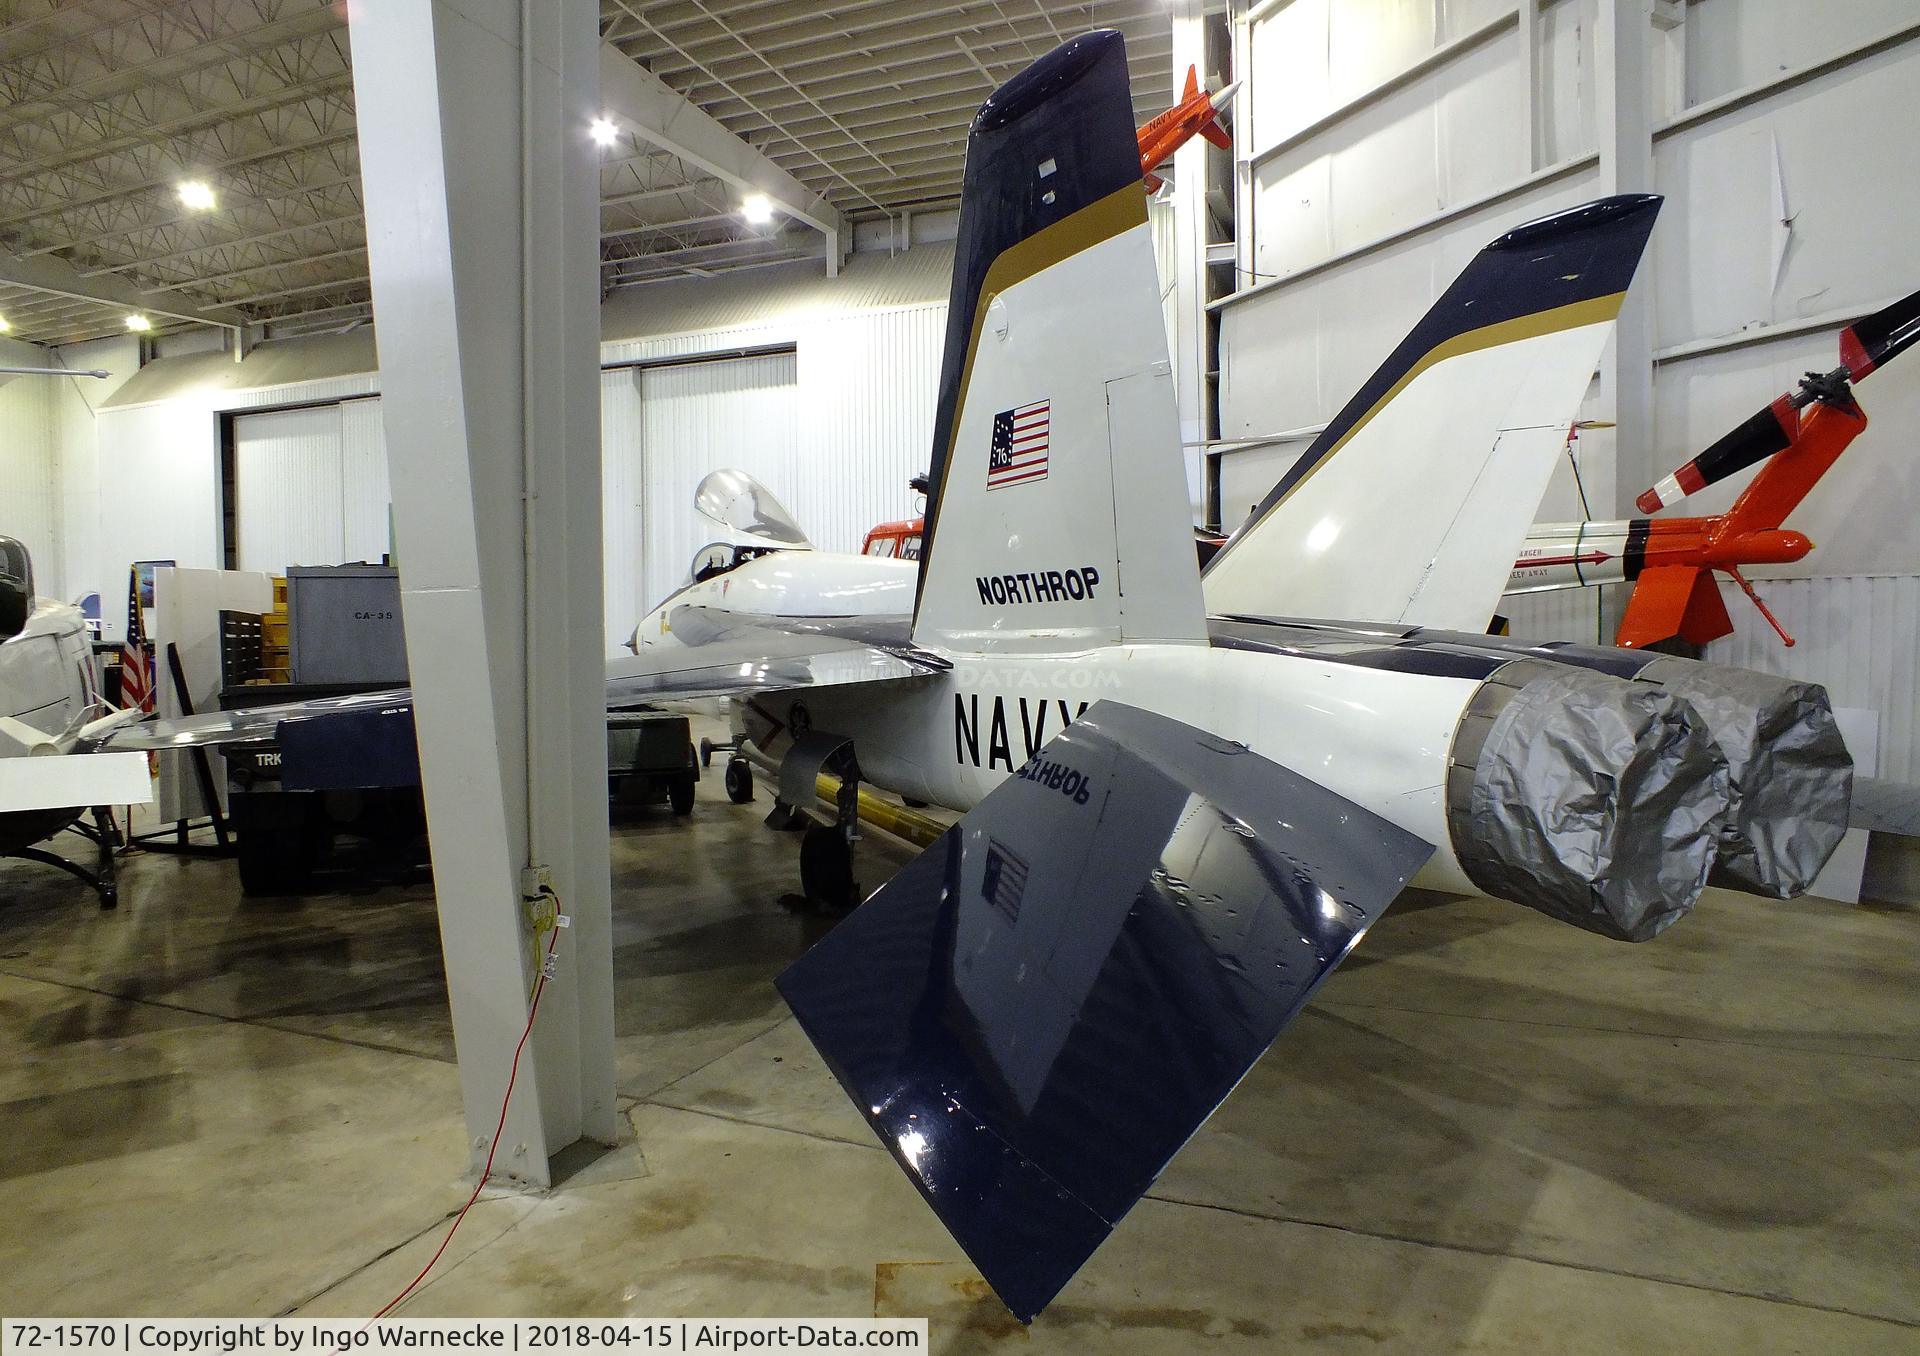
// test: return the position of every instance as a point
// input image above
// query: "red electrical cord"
(539, 987)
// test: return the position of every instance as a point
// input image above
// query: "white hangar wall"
(833, 410)
(823, 387)
(29, 468)
(1381, 142)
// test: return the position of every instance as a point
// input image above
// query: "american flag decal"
(1018, 455)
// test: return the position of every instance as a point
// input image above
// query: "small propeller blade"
(1864, 346)
(1867, 343)
(1771, 429)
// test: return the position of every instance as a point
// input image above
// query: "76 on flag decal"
(1018, 454)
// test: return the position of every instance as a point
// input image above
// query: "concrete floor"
(1490, 1133)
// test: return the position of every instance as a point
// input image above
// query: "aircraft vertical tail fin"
(1414, 501)
(1057, 506)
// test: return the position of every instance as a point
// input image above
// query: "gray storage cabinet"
(343, 624)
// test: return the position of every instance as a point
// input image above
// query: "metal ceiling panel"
(106, 106)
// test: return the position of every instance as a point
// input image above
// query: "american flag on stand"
(136, 676)
(1018, 455)
(136, 660)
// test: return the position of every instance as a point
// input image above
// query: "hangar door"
(310, 486)
(695, 418)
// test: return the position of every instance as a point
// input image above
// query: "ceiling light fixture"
(195, 195)
(757, 208)
(139, 324)
(5, 325)
(604, 131)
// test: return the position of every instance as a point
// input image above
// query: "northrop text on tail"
(1182, 805)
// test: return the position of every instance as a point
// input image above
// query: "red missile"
(1197, 113)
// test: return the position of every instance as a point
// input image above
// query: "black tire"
(826, 867)
(739, 781)
(680, 792)
(706, 753)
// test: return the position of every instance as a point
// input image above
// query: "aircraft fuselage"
(1379, 738)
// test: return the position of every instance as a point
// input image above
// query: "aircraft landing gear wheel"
(739, 781)
(680, 793)
(706, 753)
(826, 867)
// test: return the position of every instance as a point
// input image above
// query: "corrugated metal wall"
(159, 495)
(1857, 635)
(159, 475)
(868, 384)
(288, 488)
(860, 422)
(365, 498)
(310, 485)
(696, 418)
(622, 486)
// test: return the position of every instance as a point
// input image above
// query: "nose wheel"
(826, 850)
(739, 780)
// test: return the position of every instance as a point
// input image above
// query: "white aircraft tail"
(1414, 502)
(1057, 507)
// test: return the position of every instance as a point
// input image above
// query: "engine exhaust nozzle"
(1790, 774)
(1593, 800)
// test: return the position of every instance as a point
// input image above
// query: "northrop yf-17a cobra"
(1180, 812)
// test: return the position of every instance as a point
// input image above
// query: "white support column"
(1530, 73)
(482, 220)
(1624, 131)
(1190, 258)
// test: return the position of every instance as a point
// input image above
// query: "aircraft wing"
(891, 633)
(1882, 806)
(1040, 1009)
(728, 658)
(735, 656)
(233, 727)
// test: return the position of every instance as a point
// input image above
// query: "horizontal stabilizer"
(1045, 1005)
